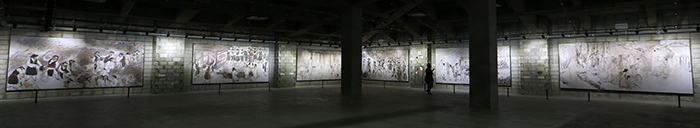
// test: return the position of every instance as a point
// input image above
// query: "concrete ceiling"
(319, 19)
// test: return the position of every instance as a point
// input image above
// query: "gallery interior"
(350, 63)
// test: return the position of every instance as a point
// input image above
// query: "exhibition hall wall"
(171, 64)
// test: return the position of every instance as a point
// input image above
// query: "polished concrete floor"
(324, 107)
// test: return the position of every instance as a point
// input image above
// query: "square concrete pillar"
(351, 37)
(483, 89)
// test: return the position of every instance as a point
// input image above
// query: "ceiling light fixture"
(256, 18)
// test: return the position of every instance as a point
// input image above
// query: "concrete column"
(483, 89)
(351, 37)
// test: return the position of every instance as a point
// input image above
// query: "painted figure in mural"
(16, 78)
(51, 67)
(429, 78)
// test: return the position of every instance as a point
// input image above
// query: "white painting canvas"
(661, 66)
(41, 63)
(214, 64)
(452, 65)
(504, 75)
(318, 65)
(388, 65)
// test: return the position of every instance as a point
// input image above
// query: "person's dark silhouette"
(429, 78)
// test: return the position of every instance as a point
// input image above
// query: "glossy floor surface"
(324, 107)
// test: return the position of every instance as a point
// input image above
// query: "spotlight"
(562, 35)
(204, 37)
(310, 44)
(544, 37)
(100, 29)
(276, 41)
(586, 33)
(409, 43)
(320, 44)
(460, 40)
(75, 28)
(14, 25)
(147, 33)
(250, 39)
(433, 42)
(235, 39)
(697, 29)
(388, 44)
(421, 42)
(287, 42)
(445, 41)
(299, 43)
(506, 38)
(665, 30)
(636, 32)
(187, 35)
(221, 38)
(167, 35)
(330, 45)
(611, 33)
(524, 37)
(263, 41)
(124, 32)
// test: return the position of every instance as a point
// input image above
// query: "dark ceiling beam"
(529, 21)
(187, 14)
(329, 18)
(650, 8)
(577, 2)
(126, 8)
(311, 27)
(394, 17)
(169, 20)
(272, 13)
(431, 13)
(584, 17)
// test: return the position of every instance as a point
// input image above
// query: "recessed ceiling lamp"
(418, 14)
(256, 18)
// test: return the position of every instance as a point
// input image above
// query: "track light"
(636, 32)
(147, 33)
(562, 35)
(544, 37)
(586, 33)
(421, 42)
(236, 38)
(288, 42)
(250, 39)
(100, 29)
(310, 44)
(75, 28)
(697, 29)
(433, 42)
(320, 44)
(276, 41)
(445, 41)
(665, 30)
(187, 35)
(167, 35)
(124, 32)
(221, 38)
(460, 40)
(14, 25)
(611, 33)
(388, 44)
(524, 37)
(299, 43)
(506, 38)
(204, 37)
(330, 45)
(263, 41)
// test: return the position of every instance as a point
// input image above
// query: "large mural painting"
(42, 63)
(661, 66)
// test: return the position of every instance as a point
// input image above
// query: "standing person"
(429, 78)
